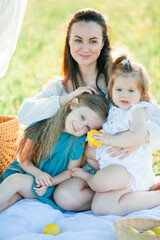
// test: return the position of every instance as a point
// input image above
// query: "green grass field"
(135, 26)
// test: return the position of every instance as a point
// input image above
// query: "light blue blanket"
(26, 219)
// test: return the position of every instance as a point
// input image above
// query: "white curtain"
(11, 19)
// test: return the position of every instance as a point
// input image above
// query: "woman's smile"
(84, 56)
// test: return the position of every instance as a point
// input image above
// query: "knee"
(101, 210)
(94, 184)
(64, 198)
(20, 181)
(15, 179)
(98, 185)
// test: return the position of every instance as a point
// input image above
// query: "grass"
(135, 25)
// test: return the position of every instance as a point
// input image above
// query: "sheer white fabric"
(11, 19)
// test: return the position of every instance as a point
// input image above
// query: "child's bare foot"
(79, 173)
(156, 186)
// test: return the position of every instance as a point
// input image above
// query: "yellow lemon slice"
(156, 230)
(91, 140)
(51, 229)
(132, 230)
(149, 232)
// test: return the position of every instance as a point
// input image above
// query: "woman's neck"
(89, 74)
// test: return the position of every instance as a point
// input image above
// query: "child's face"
(80, 120)
(125, 92)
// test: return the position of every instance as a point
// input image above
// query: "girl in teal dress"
(49, 149)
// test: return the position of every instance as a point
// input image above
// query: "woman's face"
(82, 119)
(86, 42)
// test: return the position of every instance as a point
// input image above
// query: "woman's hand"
(125, 152)
(43, 179)
(40, 190)
(78, 91)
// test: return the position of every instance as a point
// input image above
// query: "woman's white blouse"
(46, 104)
(43, 105)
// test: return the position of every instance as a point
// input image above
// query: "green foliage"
(135, 25)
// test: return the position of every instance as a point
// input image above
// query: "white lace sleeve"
(43, 105)
(153, 125)
(11, 18)
(154, 129)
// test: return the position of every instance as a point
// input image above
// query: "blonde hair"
(123, 66)
(46, 133)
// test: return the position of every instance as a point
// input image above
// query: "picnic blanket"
(26, 219)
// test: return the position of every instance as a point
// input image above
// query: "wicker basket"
(141, 224)
(9, 127)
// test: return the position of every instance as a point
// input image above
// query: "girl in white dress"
(126, 126)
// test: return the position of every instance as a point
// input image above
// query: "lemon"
(51, 229)
(156, 230)
(149, 232)
(132, 230)
(91, 140)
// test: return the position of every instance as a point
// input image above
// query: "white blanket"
(26, 219)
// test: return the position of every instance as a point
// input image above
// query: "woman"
(86, 54)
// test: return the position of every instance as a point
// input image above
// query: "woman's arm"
(153, 128)
(48, 102)
(152, 137)
(43, 105)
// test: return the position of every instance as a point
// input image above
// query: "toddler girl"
(126, 126)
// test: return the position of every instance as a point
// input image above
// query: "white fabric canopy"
(11, 18)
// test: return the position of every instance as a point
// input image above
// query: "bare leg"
(94, 164)
(14, 188)
(90, 156)
(122, 202)
(76, 192)
(73, 195)
(109, 178)
(16, 197)
(90, 153)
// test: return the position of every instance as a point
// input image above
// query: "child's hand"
(43, 178)
(102, 137)
(40, 191)
(92, 146)
(91, 140)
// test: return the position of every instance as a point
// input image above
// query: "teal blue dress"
(67, 148)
